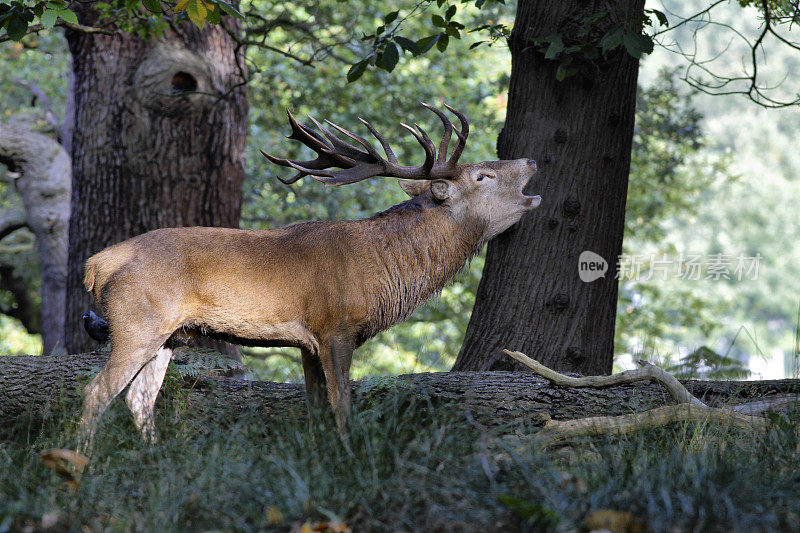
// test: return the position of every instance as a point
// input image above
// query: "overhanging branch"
(36, 28)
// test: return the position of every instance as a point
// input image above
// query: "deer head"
(490, 190)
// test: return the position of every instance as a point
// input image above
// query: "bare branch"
(748, 84)
(646, 373)
(689, 410)
(43, 100)
(559, 430)
(11, 221)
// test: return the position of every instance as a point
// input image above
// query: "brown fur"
(323, 287)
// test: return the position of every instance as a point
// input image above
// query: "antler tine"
(430, 149)
(307, 136)
(448, 131)
(339, 146)
(427, 145)
(310, 171)
(462, 135)
(293, 179)
(361, 140)
(338, 162)
(384, 143)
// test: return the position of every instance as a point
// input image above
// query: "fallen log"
(32, 386)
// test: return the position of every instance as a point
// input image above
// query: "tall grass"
(409, 467)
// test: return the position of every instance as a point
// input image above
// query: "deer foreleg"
(336, 358)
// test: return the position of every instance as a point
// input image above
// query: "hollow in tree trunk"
(158, 140)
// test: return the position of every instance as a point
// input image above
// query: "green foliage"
(409, 467)
(670, 171)
(401, 32)
(16, 16)
(597, 38)
(704, 363)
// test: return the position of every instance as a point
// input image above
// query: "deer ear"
(413, 188)
(440, 189)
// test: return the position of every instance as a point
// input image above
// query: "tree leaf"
(390, 17)
(389, 57)
(68, 16)
(197, 13)
(555, 48)
(611, 40)
(16, 28)
(181, 6)
(442, 43)
(48, 18)
(407, 45)
(426, 43)
(229, 9)
(356, 71)
(662, 18)
(214, 15)
(561, 72)
(153, 6)
(438, 21)
(450, 12)
(638, 44)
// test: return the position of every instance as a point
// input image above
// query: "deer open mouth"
(532, 201)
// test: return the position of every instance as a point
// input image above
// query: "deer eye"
(481, 176)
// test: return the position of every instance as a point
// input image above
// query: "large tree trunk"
(44, 186)
(579, 131)
(35, 386)
(157, 140)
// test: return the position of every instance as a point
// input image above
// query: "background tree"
(579, 130)
(167, 148)
(43, 183)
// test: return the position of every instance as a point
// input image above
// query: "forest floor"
(410, 467)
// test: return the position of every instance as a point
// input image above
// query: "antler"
(355, 164)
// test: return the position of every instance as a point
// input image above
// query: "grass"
(412, 467)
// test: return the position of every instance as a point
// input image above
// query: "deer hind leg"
(125, 361)
(336, 358)
(314, 378)
(141, 397)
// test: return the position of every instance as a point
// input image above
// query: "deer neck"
(416, 249)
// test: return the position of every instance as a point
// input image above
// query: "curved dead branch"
(689, 409)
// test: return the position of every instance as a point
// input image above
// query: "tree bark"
(157, 140)
(580, 130)
(40, 387)
(44, 186)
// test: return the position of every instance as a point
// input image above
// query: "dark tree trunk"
(158, 140)
(579, 131)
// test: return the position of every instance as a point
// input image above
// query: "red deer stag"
(323, 287)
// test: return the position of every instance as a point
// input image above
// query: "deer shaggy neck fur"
(413, 250)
